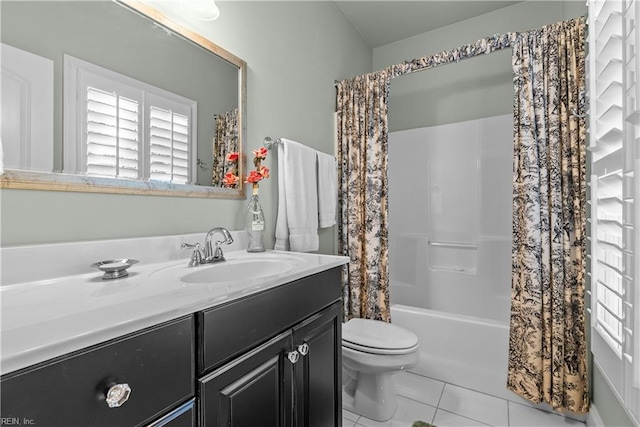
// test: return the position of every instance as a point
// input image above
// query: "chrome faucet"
(212, 252)
(215, 254)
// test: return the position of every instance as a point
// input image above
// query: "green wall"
(471, 89)
(608, 405)
(294, 51)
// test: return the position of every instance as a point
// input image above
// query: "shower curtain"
(547, 345)
(363, 225)
(224, 142)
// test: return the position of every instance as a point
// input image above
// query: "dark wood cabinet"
(157, 364)
(292, 379)
(318, 373)
(254, 390)
(183, 416)
(270, 359)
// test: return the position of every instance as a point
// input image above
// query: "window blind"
(169, 146)
(119, 127)
(112, 135)
(615, 223)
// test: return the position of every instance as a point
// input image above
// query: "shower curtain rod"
(483, 46)
(480, 47)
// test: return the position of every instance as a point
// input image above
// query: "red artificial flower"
(230, 179)
(233, 156)
(254, 177)
(260, 153)
(264, 171)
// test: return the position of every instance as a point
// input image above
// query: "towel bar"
(454, 245)
(268, 142)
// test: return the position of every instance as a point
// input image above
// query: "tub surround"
(47, 314)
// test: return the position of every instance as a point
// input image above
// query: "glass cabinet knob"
(293, 356)
(117, 395)
(303, 349)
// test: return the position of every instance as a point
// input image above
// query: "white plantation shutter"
(615, 222)
(119, 127)
(169, 138)
(113, 142)
(608, 176)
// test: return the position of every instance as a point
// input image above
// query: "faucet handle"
(217, 254)
(196, 256)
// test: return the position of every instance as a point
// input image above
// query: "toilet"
(372, 351)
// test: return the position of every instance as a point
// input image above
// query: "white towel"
(297, 223)
(327, 190)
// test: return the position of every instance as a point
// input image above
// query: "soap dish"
(114, 268)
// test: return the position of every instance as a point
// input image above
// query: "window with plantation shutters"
(113, 129)
(169, 145)
(119, 127)
(614, 116)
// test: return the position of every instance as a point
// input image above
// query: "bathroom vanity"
(265, 351)
(293, 378)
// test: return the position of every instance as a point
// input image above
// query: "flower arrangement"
(260, 172)
(231, 178)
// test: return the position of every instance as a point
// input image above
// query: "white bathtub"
(471, 352)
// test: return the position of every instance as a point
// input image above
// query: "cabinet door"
(318, 374)
(255, 389)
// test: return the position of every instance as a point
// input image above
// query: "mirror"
(75, 44)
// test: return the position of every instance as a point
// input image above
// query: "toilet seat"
(377, 337)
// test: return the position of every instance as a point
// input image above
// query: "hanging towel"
(327, 190)
(297, 223)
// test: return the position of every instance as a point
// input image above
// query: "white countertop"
(48, 318)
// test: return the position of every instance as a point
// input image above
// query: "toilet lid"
(376, 336)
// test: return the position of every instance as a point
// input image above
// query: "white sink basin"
(240, 269)
(245, 267)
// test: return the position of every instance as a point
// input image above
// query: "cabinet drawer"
(156, 363)
(231, 329)
(184, 416)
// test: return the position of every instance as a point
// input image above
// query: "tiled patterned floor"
(447, 405)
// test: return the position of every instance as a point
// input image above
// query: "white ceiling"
(383, 22)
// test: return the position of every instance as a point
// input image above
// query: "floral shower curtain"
(363, 225)
(224, 142)
(547, 345)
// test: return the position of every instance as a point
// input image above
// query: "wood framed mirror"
(174, 95)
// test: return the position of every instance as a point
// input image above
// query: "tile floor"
(447, 405)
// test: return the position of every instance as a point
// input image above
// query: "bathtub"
(470, 352)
